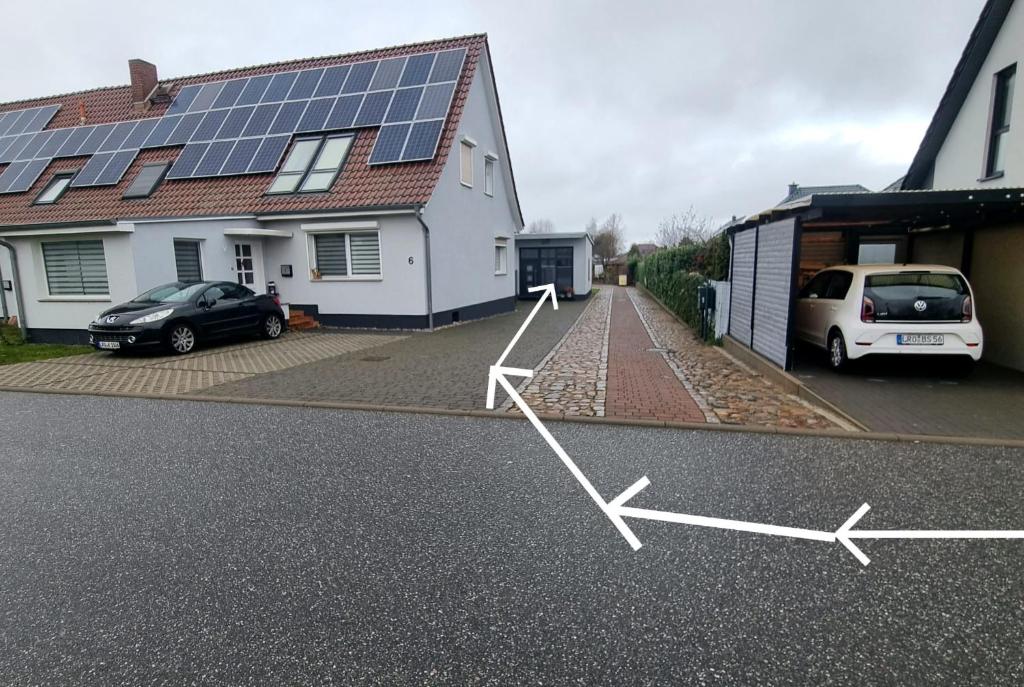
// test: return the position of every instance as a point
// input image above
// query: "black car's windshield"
(170, 293)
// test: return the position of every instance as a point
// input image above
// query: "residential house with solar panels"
(370, 189)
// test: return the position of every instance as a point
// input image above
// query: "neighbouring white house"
(976, 141)
(370, 189)
(961, 204)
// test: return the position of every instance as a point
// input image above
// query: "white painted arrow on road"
(616, 510)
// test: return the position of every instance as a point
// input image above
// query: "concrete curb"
(551, 417)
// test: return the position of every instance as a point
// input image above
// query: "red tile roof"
(359, 185)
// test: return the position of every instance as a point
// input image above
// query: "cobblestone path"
(576, 371)
(627, 357)
(733, 392)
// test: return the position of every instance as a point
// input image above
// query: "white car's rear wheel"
(837, 358)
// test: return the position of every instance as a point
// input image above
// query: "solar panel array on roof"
(243, 126)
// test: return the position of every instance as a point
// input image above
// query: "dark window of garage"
(187, 260)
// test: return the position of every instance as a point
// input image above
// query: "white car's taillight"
(867, 310)
(967, 310)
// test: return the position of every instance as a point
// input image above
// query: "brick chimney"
(144, 80)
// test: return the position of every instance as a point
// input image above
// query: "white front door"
(249, 265)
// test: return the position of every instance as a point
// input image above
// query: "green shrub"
(10, 335)
(673, 275)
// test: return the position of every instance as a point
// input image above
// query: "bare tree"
(608, 239)
(591, 228)
(540, 226)
(685, 228)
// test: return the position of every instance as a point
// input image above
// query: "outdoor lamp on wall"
(286, 270)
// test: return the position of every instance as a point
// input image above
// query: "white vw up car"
(857, 310)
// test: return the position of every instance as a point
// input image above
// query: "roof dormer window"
(312, 165)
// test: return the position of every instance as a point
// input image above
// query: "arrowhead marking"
(842, 538)
(499, 371)
(549, 290)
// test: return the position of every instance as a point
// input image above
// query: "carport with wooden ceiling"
(774, 253)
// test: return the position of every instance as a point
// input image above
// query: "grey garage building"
(775, 252)
(563, 259)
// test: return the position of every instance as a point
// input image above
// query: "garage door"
(762, 288)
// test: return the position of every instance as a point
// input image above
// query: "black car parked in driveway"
(181, 314)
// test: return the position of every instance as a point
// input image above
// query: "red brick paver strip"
(641, 385)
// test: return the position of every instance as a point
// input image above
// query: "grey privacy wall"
(742, 285)
(762, 288)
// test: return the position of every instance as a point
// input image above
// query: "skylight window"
(312, 165)
(146, 181)
(55, 189)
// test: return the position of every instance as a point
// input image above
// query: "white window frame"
(502, 262)
(490, 165)
(370, 228)
(466, 146)
(199, 247)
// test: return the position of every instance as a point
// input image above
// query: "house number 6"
(410, 260)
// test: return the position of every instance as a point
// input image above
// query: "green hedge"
(675, 274)
(674, 288)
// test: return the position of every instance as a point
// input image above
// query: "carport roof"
(917, 208)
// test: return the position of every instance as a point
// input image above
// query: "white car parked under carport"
(856, 310)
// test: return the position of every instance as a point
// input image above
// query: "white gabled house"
(370, 190)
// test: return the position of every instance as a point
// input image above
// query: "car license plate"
(920, 339)
(110, 345)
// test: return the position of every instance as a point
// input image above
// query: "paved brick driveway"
(627, 357)
(921, 396)
(443, 369)
(170, 375)
(641, 385)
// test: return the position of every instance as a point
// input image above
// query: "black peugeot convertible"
(181, 314)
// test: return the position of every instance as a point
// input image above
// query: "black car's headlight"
(153, 317)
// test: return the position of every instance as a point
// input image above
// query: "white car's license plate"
(920, 339)
(110, 345)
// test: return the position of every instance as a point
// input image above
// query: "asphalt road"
(159, 542)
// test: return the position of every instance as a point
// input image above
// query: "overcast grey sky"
(641, 108)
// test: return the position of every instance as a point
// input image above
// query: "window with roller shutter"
(187, 260)
(351, 254)
(75, 268)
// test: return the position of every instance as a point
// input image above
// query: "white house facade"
(390, 204)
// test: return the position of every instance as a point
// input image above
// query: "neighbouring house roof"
(990, 21)
(796, 191)
(919, 210)
(646, 248)
(359, 186)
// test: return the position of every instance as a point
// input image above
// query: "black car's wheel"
(837, 359)
(271, 327)
(182, 339)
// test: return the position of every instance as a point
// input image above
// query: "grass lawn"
(24, 353)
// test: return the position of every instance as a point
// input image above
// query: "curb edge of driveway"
(552, 417)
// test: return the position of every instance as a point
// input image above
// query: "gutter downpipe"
(426, 246)
(17, 288)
